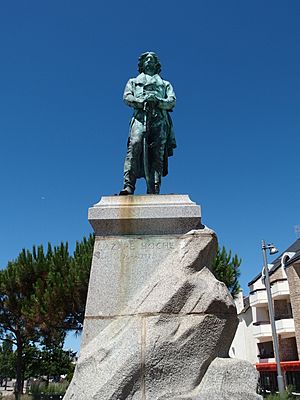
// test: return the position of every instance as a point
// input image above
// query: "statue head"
(142, 59)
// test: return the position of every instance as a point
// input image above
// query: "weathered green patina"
(151, 138)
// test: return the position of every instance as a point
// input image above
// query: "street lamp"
(272, 250)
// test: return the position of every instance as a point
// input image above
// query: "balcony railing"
(258, 296)
(285, 325)
(262, 329)
(280, 288)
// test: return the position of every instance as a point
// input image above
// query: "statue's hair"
(142, 60)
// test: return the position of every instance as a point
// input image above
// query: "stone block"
(123, 262)
(156, 317)
(145, 215)
(166, 336)
(229, 379)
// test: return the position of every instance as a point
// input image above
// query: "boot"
(126, 191)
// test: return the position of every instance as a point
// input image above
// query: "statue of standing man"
(151, 138)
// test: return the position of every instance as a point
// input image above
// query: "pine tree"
(7, 361)
(22, 286)
(42, 296)
(79, 280)
(226, 269)
(47, 361)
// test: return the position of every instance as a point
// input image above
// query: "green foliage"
(78, 279)
(7, 359)
(288, 395)
(273, 397)
(51, 388)
(226, 269)
(42, 296)
(49, 362)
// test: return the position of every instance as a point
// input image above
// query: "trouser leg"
(133, 156)
(157, 157)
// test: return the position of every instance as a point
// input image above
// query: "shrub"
(287, 396)
(51, 388)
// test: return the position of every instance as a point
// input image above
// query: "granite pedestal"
(133, 234)
(156, 317)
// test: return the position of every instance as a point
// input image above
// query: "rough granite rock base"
(168, 334)
(229, 379)
(225, 379)
(155, 333)
(133, 235)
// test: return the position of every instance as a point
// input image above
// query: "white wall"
(244, 344)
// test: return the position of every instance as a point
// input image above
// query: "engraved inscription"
(124, 245)
(135, 250)
(167, 245)
(121, 266)
(158, 245)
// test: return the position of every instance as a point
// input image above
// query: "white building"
(253, 340)
(244, 344)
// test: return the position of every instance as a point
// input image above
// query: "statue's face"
(149, 64)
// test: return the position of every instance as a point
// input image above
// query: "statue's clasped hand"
(151, 98)
(150, 102)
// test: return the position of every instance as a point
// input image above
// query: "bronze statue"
(151, 138)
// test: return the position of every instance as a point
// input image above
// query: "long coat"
(135, 90)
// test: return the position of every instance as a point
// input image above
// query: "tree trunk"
(19, 369)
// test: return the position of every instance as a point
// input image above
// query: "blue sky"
(235, 69)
